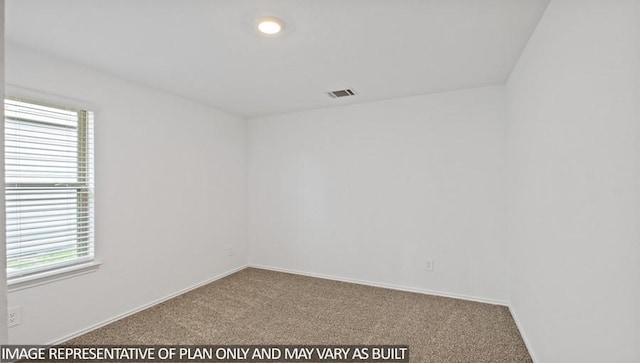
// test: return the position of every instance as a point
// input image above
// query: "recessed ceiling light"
(270, 25)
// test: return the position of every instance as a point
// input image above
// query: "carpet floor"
(255, 306)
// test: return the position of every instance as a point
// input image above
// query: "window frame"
(85, 197)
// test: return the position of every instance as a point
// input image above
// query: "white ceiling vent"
(342, 93)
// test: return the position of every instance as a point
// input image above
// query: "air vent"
(342, 93)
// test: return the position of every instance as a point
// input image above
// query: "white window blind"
(49, 186)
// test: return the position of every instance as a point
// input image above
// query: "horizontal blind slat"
(43, 264)
(42, 232)
(45, 243)
(48, 223)
(41, 250)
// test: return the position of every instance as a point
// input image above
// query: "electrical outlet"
(14, 316)
(230, 251)
(428, 264)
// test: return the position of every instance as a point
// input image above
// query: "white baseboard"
(146, 306)
(523, 335)
(386, 286)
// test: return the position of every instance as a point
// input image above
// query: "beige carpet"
(256, 306)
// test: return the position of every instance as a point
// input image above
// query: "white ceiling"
(209, 51)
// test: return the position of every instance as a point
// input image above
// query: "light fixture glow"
(270, 26)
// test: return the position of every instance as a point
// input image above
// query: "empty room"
(321, 181)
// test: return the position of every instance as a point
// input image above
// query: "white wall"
(574, 167)
(170, 198)
(3, 261)
(368, 191)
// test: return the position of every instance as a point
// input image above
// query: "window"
(49, 187)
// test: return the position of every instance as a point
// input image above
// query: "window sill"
(26, 282)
